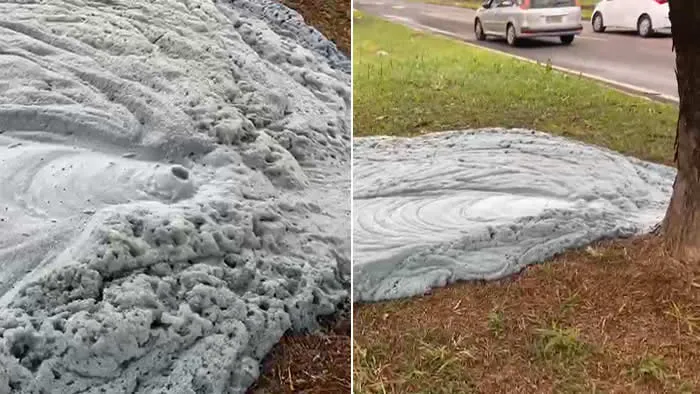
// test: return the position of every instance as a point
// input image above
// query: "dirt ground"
(616, 317)
(318, 363)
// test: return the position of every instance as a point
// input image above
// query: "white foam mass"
(174, 191)
(483, 204)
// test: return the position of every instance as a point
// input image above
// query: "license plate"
(553, 19)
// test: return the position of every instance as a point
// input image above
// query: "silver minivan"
(515, 19)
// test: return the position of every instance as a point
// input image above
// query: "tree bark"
(681, 226)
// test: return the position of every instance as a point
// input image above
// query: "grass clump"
(496, 322)
(651, 368)
(560, 344)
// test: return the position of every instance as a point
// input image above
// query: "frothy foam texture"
(174, 192)
(483, 204)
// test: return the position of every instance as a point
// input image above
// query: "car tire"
(479, 31)
(644, 27)
(598, 23)
(567, 40)
(511, 36)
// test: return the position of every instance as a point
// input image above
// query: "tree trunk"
(681, 225)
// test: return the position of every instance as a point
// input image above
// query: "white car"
(645, 16)
(515, 19)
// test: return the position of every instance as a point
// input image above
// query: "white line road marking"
(582, 37)
(621, 86)
(443, 32)
(401, 19)
(451, 17)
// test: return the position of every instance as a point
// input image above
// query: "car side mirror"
(486, 4)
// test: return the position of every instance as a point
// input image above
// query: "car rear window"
(552, 3)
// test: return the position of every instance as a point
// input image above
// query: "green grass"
(586, 5)
(407, 83)
(652, 368)
(496, 322)
(558, 343)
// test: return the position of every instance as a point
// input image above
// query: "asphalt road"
(617, 56)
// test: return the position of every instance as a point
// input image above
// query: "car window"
(552, 3)
(497, 3)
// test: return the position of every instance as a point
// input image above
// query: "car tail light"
(525, 5)
(661, 1)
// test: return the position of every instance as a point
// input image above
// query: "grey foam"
(289, 23)
(174, 193)
(484, 204)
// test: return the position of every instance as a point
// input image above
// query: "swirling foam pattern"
(174, 191)
(483, 204)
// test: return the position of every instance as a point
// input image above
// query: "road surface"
(617, 56)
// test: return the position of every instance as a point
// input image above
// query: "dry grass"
(317, 363)
(330, 17)
(616, 317)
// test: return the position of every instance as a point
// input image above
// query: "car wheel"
(511, 37)
(479, 31)
(598, 25)
(567, 40)
(644, 27)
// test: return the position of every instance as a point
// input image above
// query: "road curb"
(629, 89)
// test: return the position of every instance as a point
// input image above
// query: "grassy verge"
(614, 317)
(587, 6)
(408, 83)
